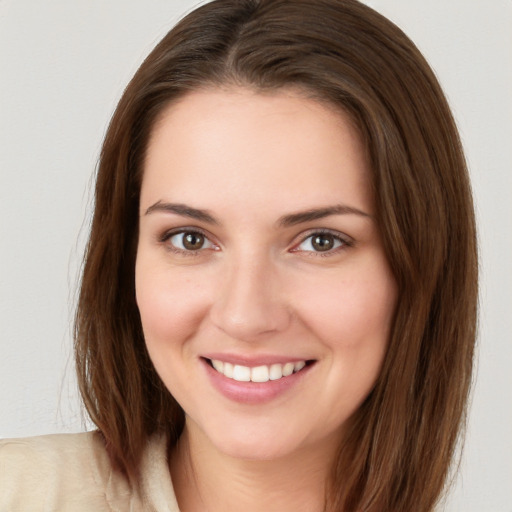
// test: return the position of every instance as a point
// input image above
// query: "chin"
(258, 439)
(256, 449)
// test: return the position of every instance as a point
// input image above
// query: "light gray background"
(63, 66)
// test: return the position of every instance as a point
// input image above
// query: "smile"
(262, 373)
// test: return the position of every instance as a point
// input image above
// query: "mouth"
(259, 374)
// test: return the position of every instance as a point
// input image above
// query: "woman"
(279, 294)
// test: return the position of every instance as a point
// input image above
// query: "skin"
(259, 286)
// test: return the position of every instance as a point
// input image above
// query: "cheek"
(352, 311)
(171, 308)
(171, 304)
(352, 319)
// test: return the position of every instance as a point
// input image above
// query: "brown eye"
(193, 241)
(189, 241)
(322, 242)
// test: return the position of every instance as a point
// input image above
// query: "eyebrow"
(289, 220)
(319, 213)
(183, 210)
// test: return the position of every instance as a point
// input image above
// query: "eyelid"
(346, 241)
(168, 234)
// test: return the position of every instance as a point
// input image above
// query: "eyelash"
(344, 242)
(182, 231)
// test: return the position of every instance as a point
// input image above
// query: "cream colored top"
(72, 472)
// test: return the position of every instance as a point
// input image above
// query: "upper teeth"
(262, 373)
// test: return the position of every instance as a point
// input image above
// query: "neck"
(207, 480)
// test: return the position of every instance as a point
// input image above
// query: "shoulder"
(51, 448)
(55, 472)
(72, 472)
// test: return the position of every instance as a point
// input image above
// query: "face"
(265, 296)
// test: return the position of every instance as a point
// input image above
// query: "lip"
(253, 361)
(253, 393)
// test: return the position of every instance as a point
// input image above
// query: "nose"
(249, 304)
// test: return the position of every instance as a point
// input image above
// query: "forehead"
(242, 145)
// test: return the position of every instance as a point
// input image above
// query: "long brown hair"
(398, 450)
